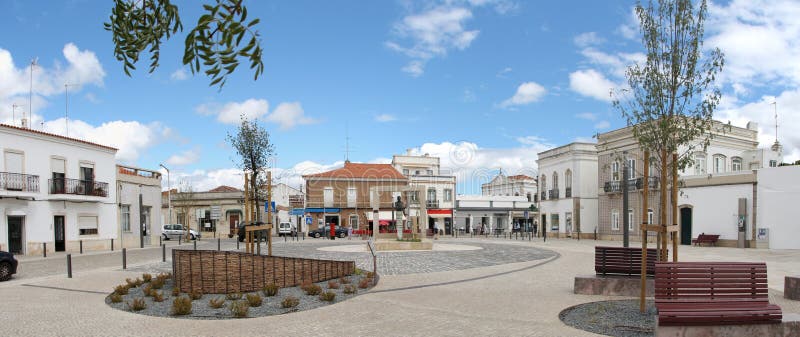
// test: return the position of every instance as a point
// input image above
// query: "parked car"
(177, 231)
(285, 228)
(326, 231)
(8, 265)
(263, 233)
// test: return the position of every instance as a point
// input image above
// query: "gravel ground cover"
(202, 310)
(612, 318)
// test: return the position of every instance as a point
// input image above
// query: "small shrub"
(182, 306)
(239, 309)
(327, 296)
(146, 277)
(344, 280)
(121, 289)
(216, 303)
(115, 298)
(176, 291)
(358, 271)
(234, 296)
(146, 290)
(164, 276)
(254, 300)
(131, 283)
(157, 296)
(271, 289)
(312, 289)
(365, 283)
(333, 284)
(290, 302)
(158, 283)
(350, 289)
(137, 304)
(370, 274)
(196, 295)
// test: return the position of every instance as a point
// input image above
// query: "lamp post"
(169, 193)
(625, 219)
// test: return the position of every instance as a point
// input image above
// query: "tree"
(251, 142)
(184, 200)
(215, 42)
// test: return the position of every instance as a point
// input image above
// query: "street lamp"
(169, 194)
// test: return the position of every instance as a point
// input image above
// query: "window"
(614, 220)
(180, 218)
(543, 184)
(126, 218)
(448, 194)
(649, 216)
(431, 194)
(430, 172)
(555, 181)
(653, 167)
(529, 196)
(699, 163)
(328, 197)
(719, 163)
(773, 163)
(554, 222)
(14, 161)
(568, 179)
(412, 196)
(416, 173)
(87, 225)
(631, 168)
(630, 219)
(354, 221)
(736, 164)
(351, 197)
(615, 170)
(405, 172)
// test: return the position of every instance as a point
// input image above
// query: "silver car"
(170, 231)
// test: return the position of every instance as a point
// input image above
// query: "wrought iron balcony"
(633, 184)
(612, 186)
(79, 187)
(19, 182)
(568, 192)
(553, 194)
(432, 204)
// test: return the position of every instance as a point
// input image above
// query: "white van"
(285, 228)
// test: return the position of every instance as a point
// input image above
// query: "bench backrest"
(622, 261)
(711, 282)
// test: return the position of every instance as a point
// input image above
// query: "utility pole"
(169, 194)
(625, 219)
(30, 93)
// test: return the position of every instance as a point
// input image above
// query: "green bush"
(239, 309)
(138, 304)
(182, 306)
(358, 271)
(115, 298)
(333, 284)
(271, 289)
(290, 302)
(217, 302)
(327, 296)
(234, 296)
(254, 300)
(350, 289)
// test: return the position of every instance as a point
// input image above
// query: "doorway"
(686, 226)
(448, 226)
(233, 222)
(15, 230)
(544, 223)
(58, 231)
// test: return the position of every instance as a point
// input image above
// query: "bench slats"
(622, 261)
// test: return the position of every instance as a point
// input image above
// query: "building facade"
(516, 185)
(490, 214)
(718, 191)
(216, 212)
(426, 177)
(568, 197)
(138, 206)
(55, 190)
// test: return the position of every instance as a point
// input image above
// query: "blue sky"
(484, 84)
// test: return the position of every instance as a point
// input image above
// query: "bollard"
(180, 239)
(284, 238)
(237, 243)
(81, 243)
(159, 240)
(218, 244)
(44, 250)
(195, 244)
(112, 244)
(124, 259)
(163, 253)
(69, 265)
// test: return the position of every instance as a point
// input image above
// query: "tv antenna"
(30, 93)
(14, 113)
(775, 103)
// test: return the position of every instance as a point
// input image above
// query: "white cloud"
(91, 97)
(502, 73)
(185, 158)
(591, 83)
(231, 113)
(616, 64)
(588, 39)
(131, 138)
(602, 125)
(527, 93)
(414, 68)
(469, 96)
(383, 118)
(587, 116)
(179, 75)
(630, 28)
(287, 115)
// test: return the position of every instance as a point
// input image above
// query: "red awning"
(440, 211)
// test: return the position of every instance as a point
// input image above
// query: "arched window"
(699, 163)
(614, 220)
(719, 163)
(649, 216)
(615, 170)
(736, 164)
(543, 186)
(529, 196)
(568, 183)
(554, 191)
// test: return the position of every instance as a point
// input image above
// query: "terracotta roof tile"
(224, 188)
(57, 136)
(520, 177)
(361, 170)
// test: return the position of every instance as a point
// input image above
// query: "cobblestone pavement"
(480, 298)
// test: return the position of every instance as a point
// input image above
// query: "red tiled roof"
(57, 136)
(224, 188)
(519, 177)
(360, 170)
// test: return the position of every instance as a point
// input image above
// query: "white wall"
(778, 196)
(716, 208)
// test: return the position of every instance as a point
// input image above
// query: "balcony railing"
(79, 187)
(568, 192)
(553, 194)
(543, 196)
(19, 182)
(633, 184)
(432, 204)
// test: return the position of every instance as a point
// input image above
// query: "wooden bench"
(706, 238)
(713, 293)
(622, 261)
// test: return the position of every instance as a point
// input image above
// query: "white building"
(493, 213)
(55, 190)
(516, 185)
(139, 205)
(424, 174)
(568, 182)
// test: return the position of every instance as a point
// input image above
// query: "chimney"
(408, 152)
(752, 126)
(24, 123)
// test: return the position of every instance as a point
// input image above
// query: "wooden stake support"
(250, 237)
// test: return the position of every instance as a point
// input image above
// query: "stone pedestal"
(790, 326)
(791, 288)
(611, 285)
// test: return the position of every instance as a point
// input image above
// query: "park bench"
(622, 260)
(713, 293)
(706, 238)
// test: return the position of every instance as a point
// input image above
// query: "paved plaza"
(500, 287)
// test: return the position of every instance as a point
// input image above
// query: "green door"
(686, 226)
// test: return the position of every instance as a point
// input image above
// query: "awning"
(297, 211)
(233, 211)
(440, 213)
